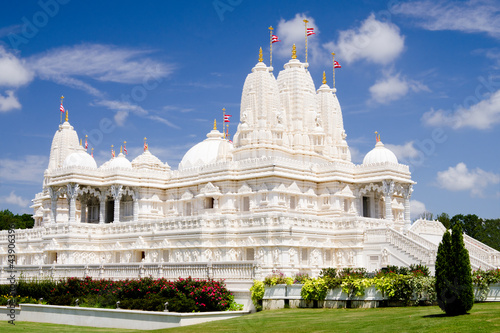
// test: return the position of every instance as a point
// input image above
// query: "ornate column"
(102, 206)
(136, 205)
(116, 192)
(407, 190)
(83, 209)
(388, 188)
(53, 204)
(72, 190)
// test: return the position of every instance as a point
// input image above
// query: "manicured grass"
(484, 317)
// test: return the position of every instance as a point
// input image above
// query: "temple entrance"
(110, 211)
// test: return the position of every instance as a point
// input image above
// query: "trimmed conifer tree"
(444, 273)
(463, 290)
(454, 290)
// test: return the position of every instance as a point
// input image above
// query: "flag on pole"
(336, 64)
(274, 39)
(86, 143)
(310, 31)
(145, 145)
(226, 118)
(61, 108)
(112, 151)
(125, 147)
(92, 152)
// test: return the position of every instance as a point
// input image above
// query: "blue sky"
(424, 74)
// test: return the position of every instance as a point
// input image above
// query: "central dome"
(80, 158)
(213, 149)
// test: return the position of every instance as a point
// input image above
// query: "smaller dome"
(214, 148)
(80, 158)
(149, 161)
(119, 162)
(380, 154)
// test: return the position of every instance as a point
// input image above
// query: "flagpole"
(60, 121)
(333, 64)
(224, 122)
(305, 22)
(271, 46)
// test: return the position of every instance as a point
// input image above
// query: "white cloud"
(13, 71)
(293, 32)
(374, 41)
(123, 109)
(403, 152)
(71, 65)
(471, 16)
(416, 209)
(460, 178)
(10, 102)
(15, 200)
(482, 115)
(100, 62)
(28, 169)
(394, 87)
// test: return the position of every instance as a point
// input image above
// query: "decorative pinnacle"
(66, 119)
(261, 59)
(271, 28)
(215, 124)
(121, 149)
(324, 77)
(294, 52)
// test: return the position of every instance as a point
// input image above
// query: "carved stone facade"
(284, 196)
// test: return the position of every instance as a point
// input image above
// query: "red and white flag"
(336, 64)
(145, 146)
(226, 118)
(125, 150)
(274, 39)
(61, 108)
(310, 31)
(86, 144)
(113, 152)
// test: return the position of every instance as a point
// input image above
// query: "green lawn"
(484, 317)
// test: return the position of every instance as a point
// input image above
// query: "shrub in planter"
(257, 291)
(314, 290)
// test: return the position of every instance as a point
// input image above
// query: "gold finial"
(261, 59)
(306, 21)
(294, 52)
(86, 136)
(324, 77)
(121, 149)
(66, 119)
(80, 141)
(112, 146)
(124, 142)
(62, 97)
(215, 124)
(271, 28)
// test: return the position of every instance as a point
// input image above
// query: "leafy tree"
(444, 219)
(7, 218)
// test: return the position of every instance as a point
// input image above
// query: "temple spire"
(215, 124)
(66, 119)
(261, 59)
(324, 77)
(294, 52)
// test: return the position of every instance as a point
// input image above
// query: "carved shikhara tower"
(285, 195)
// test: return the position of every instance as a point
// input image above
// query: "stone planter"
(293, 291)
(275, 292)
